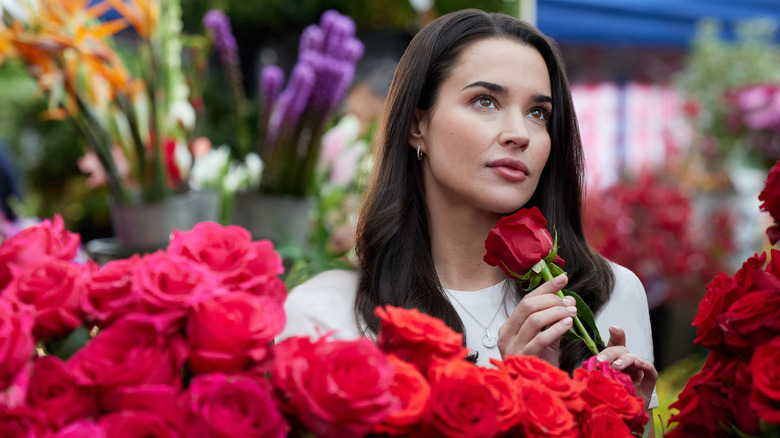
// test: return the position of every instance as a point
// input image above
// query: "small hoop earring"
(419, 153)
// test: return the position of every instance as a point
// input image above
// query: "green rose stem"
(547, 276)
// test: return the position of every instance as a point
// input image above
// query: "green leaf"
(555, 270)
(72, 343)
(586, 316)
(535, 280)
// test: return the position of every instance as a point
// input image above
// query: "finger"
(611, 354)
(550, 287)
(530, 305)
(617, 337)
(536, 344)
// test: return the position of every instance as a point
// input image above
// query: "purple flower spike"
(271, 81)
(218, 24)
(352, 50)
(312, 38)
(292, 102)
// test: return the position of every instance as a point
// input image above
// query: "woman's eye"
(538, 114)
(485, 102)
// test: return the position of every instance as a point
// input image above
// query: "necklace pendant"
(487, 341)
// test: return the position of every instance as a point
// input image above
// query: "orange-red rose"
(412, 392)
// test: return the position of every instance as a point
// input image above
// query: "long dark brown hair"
(393, 239)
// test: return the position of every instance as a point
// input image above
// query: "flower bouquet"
(737, 392)
(179, 343)
(132, 111)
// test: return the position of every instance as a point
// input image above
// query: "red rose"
(519, 241)
(461, 403)
(416, 337)
(16, 340)
(129, 353)
(603, 422)
(506, 392)
(23, 422)
(601, 390)
(231, 406)
(753, 319)
(168, 285)
(159, 399)
(751, 277)
(81, 429)
(412, 392)
(55, 392)
(543, 413)
(721, 294)
(531, 368)
(54, 288)
(15, 394)
(765, 395)
(606, 369)
(228, 251)
(227, 333)
(108, 294)
(335, 388)
(31, 244)
(770, 201)
(131, 424)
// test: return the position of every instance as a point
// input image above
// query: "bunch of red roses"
(179, 343)
(737, 391)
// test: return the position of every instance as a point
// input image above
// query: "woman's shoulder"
(627, 284)
(322, 303)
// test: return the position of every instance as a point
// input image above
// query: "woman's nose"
(514, 132)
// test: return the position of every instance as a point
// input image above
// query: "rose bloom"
(603, 422)
(23, 421)
(228, 251)
(506, 392)
(220, 406)
(412, 391)
(721, 294)
(336, 388)
(531, 368)
(55, 392)
(770, 201)
(54, 288)
(543, 413)
(31, 244)
(416, 337)
(519, 241)
(606, 369)
(132, 424)
(601, 390)
(753, 319)
(108, 295)
(765, 395)
(131, 352)
(228, 332)
(462, 404)
(81, 429)
(168, 285)
(16, 340)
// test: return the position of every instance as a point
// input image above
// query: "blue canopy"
(643, 22)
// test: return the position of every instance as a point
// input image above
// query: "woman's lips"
(510, 170)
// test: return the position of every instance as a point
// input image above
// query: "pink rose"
(16, 340)
(336, 388)
(232, 406)
(227, 251)
(23, 422)
(229, 332)
(168, 285)
(606, 369)
(54, 288)
(81, 429)
(108, 295)
(56, 393)
(131, 352)
(132, 424)
(31, 244)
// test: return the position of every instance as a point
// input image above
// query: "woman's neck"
(457, 247)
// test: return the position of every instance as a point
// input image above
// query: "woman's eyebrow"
(542, 98)
(496, 88)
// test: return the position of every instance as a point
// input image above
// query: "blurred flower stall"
(132, 111)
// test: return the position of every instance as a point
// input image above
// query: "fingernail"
(640, 361)
(601, 358)
(560, 280)
(569, 301)
(617, 328)
(617, 363)
(572, 310)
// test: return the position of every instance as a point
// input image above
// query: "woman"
(479, 123)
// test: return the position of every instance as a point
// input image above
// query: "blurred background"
(678, 105)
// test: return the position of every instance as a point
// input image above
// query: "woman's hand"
(642, 372)
(537, 323)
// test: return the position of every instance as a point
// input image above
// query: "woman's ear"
(418, 128)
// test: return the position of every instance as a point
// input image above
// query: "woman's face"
(485, 139)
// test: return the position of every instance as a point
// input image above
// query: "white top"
(326, 302)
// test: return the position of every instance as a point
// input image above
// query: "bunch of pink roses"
(179, 343)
